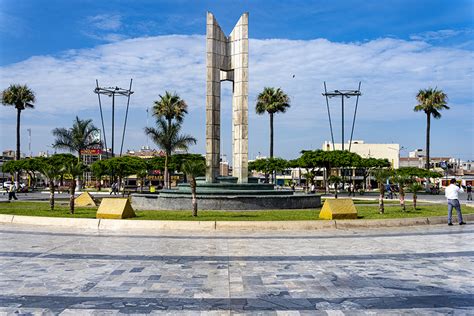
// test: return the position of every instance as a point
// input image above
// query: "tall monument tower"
(227, 60)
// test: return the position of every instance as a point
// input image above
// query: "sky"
(394, 48)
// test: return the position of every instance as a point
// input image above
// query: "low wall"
(180, 202)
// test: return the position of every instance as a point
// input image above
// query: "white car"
(8, 184)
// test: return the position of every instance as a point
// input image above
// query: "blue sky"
(395, 48)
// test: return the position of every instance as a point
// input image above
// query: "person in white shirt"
(452, 194)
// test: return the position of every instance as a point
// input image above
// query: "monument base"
(226, 195)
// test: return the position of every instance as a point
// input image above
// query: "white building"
(417, 153)
(365, 150)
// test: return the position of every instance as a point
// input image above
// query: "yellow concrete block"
(85, 199)
(115, 208)
(338, 209)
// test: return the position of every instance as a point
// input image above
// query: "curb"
(112, 224)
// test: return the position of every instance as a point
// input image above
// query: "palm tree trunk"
(51, 194)
(428, 125)
(402, 198)
(17, 154)
(271, 135)
(165, 176)
(72, 190)
(271, 144)
(194, 198)
(414, 200)
(381, 205)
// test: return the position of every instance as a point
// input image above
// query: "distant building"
(417, 153)
(366, 150)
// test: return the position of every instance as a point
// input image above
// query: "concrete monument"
(227, 60)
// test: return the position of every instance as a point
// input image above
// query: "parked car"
(8, 184)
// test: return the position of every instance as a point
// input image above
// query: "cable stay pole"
(102, 119)
(329, 115)
(126, 116)
(355, 114)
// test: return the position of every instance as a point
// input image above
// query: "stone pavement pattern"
(417, 270)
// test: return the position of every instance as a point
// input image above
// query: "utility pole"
(343, 94)
(29, 142)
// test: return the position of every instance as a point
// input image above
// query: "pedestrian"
(452, 194)
(12, 192)
(469, 192)
(112, 188)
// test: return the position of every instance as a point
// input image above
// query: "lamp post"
(343, 94)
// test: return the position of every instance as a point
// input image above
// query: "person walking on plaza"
(452, 194)
(469, 192)
(12, 192)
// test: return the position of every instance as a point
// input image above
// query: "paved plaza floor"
(414, 270)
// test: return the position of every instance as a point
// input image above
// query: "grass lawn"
(365, 212)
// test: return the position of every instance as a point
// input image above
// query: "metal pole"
(29, 142)
(342, 121)
(329, 115)
(113, 122)
(355, 113)
(126, 116)
(102, 119)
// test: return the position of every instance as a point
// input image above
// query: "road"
(416, 270)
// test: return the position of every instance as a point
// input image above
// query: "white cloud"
(107, 22)
(391, 72)
(440, 34)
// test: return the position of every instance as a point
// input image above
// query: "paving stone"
(390, 271)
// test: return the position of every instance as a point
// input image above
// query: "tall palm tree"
(169, 139)
(193, 169)
(430, 101)
(21, 97)
(171, 107)
(272, 101)
(77, 138)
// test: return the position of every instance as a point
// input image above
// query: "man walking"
(452, 194)
(12, 192)
(469, 192)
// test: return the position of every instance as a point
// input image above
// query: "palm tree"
(171, 107)
(430, 101)
(21, 97)
(381, 176)
(403, 181)
(272, 101)
(193, 169)
(74, 169)
(169, 139)
(51, 172)
(415, 187)
(77, 138)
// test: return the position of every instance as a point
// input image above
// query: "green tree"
(369, 164)
(169, 139)
(335, 180)
(268, 165)
(381, 176)
(21, 97)
(171, 107)
(74, 169)
(431, 101)
(77, 138)
(415, 187)
(272, 101)
(99, 169)
(60, 161)
(194, 169)
(125, 166)
(50, 169)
